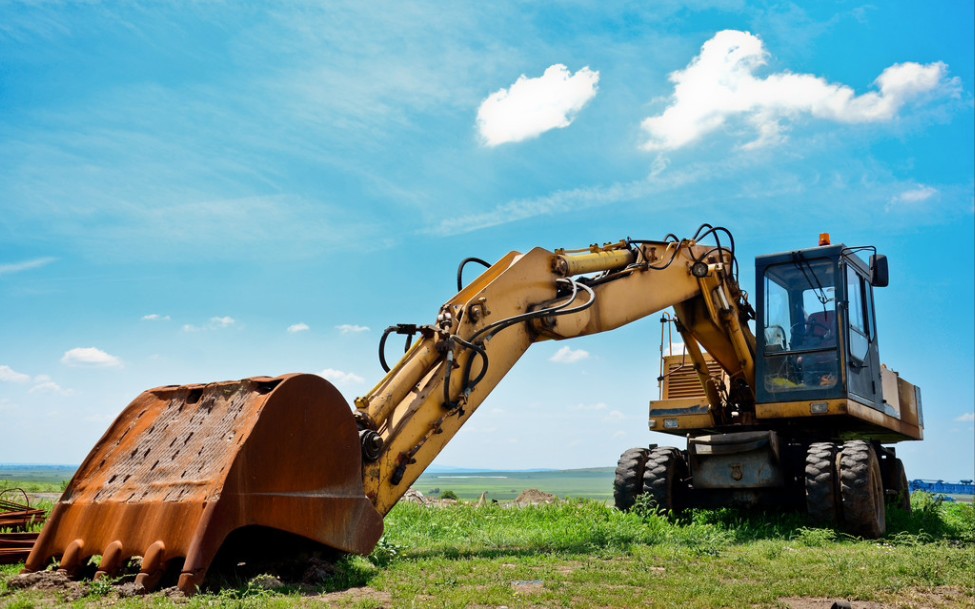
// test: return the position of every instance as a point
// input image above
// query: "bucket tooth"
(151, 572)
(111, 561)
(184, 467)
(72, 557)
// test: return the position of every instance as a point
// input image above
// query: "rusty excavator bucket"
(183, 468)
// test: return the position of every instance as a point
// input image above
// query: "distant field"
(594, 483)
(37, 474)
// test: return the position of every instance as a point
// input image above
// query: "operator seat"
(819, 329)
(819, 369)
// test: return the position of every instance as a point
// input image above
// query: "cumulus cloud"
(968, 417)
(90, 357)
(27, 265)
(566, 355)
(45, 384)
(720, 85)
(300, 327)
(532, 106)
(596, 406)
(215, 323)
(914, 196)
(351, 329)
(155, 317)
(9, 375)
(341, 378)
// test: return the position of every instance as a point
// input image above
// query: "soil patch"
(533, 496)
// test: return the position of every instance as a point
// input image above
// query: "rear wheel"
(821, 495)
(628, 484)
(664, 478)
(862, 490)
(898, 492)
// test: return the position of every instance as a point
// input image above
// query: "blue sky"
(194, 192)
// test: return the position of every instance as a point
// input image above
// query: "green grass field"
(595, 483)
(584, 554)
(36, 478)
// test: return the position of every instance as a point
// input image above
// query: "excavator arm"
(479, 335)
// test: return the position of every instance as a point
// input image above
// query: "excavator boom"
(525, 298)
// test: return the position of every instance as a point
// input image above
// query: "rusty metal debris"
(15, 518)
(18, 516)
(185, 468)
(15, 547)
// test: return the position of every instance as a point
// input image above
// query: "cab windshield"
(800, 326)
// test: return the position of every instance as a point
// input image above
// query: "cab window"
(857, 293)
(800, 326)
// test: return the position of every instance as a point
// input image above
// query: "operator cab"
(817, 339)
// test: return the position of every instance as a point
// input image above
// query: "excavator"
(794, 413)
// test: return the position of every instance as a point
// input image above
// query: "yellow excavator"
(791, 414)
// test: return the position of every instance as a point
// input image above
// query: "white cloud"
(351, 329)
(45, 384)
(596, 406)
(17, 267)
(90, 357)
(968, 417)
(677, 349)
(222, 322)
(614, 415)
(9, 375)
(155, 317)
(215, 323)
(300, 327)
(566, 355)
(720, 84)
(919, 194)
(532, 106)
(341, 378)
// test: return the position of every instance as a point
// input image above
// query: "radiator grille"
(681, 381)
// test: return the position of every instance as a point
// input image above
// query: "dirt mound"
(415, 496)
(534, 496)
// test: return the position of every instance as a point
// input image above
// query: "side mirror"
(879, 276)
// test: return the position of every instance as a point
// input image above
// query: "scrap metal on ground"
(15, 518)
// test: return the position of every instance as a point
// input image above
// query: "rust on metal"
(15, 518)
(184, 467)
(15, 547)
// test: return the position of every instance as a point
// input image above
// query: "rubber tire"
(628, 484)
(822, 498)
(664, 478)
(898, 489)
(862, 490)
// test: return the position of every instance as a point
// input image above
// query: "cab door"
(862, 354)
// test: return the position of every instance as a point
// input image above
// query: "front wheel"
(628, 484)
(665, 478)
(821, 483)
(862, 490)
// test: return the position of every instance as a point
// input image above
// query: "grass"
(12, 488)
(56, 476)
(584, 554)
(594, 483)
